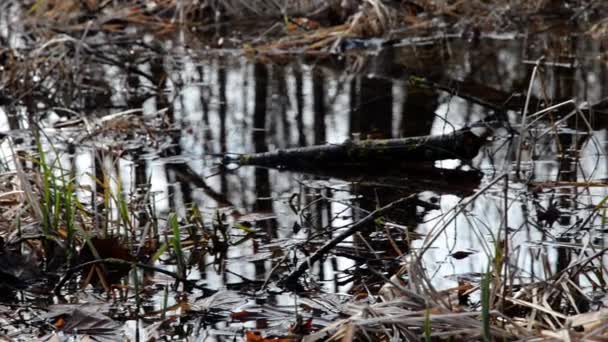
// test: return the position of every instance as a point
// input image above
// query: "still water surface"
(213, 102)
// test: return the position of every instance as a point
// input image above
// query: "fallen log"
(461, 144)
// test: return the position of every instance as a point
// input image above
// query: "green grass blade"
(177, 245)
(485, 306)
(427, 325)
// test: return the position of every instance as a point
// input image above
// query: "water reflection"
(221, 103)
(305, 104)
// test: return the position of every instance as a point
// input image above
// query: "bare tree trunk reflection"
(372, 117)
(569, 146)
(262, 183)
(297, 72)
(99, 207)
(418, 112)
(319, 113)
(282, 137)
(222, 112)
(318, 98)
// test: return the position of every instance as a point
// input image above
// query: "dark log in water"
(462, 144)
(406, 178)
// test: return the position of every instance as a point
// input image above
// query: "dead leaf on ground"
(83, 320)
(254, 336)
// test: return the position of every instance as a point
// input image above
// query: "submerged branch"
(70, 272)
(291, 280)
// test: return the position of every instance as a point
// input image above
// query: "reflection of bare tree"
(261, 177)
(569, 147)
(371, 111)
(418, 111)
(262, 185)
(260, 108)
(319, 110)
(603, 73)
(373, 107)
(280, 109)
(222, 112)
(321, 208)
(136, 100)
(159, 79)
(100, 176)
(205, 98)
(299, 84)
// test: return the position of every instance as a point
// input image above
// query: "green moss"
(244, 159)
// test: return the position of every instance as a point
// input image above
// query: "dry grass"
(357, 18)
(409, 303)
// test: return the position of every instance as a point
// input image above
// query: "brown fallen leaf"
(255, 336)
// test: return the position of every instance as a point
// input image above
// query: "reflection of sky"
(476, 229)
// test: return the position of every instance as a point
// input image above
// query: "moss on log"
(462, 144)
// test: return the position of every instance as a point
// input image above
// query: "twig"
(70, 272)
(290, 280)
(522, 134)
(433, 235)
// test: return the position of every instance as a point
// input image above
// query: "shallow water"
(213, 102)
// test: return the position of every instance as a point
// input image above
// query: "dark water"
(202, 103)
(243, 107)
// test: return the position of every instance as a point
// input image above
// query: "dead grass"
(555, 307)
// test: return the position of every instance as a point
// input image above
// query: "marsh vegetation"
(299, 170)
